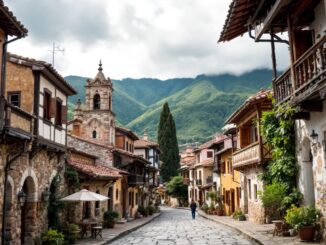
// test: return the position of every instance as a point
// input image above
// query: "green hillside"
(199, 105)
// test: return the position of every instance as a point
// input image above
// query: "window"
(229, 167)
(46, 105)
(97, 102)
(117, 194)
(255, 191)
(14, 98)
(58, 115)
(127, 146)
(209, 154)
(94, 134)
(249, 188)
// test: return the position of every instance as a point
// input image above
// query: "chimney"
(145, 137)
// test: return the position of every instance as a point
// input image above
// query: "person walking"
(193, 207)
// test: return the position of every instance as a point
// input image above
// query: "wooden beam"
(302, 115)
(311, 106)
(270, 17)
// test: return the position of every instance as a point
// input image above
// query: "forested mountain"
(199, 105)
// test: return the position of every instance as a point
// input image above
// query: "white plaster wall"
(304, 129)
(319, 24)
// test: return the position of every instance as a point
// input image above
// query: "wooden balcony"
(246, 156)
(209, 180)
(309, 74)
(252, 154)
(134, 180)
(18, 123)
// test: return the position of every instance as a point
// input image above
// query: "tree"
(176, 188)
(163, 118)
(168, 142)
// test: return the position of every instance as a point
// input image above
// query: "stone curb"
(244, 233)
(124, 233)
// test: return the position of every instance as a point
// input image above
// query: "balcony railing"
(308, 70)
(18, 122)
(198, 182)
(209, 180)
(247, 155)
(135, 180)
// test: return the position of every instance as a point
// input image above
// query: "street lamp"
(314, 137)
(22, 197)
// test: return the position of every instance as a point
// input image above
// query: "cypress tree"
(168, 142)
(163, 118)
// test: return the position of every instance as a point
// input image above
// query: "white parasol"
(84, 195)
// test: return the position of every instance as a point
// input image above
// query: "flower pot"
(111, 224)
(307, 233)
(220, 212)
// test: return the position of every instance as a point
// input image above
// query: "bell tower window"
(94, 134)
(97, 102)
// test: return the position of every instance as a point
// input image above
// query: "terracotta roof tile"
(9, 22)
(206, 163)
(145, 143)
(263, 94)
(96, 171)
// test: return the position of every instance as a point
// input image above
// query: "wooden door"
(303, 40)
(232, 204)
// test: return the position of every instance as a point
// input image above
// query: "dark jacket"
(193, 206)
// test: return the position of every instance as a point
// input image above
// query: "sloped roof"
(127, 131)
(96, 171)
(43, 67)
(263, 94)
(142, 143)
(9, 23)
(206, 163)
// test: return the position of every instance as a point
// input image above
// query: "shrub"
(52, 237)
(205, 207)
(299, 217)
(110, 216)
(142, 210)
(273, 196)
(150, 210)
(237, 213)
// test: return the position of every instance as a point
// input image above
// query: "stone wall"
(312, 160)
(34, 176)
(103, 153)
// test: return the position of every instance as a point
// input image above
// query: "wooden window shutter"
(64, 114)
(53, 105)
(245, 136)
(223, 168)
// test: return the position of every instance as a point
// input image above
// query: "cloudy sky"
(137, 38)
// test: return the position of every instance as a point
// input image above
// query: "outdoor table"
(86, 225)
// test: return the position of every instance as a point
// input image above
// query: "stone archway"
(28, 211)
(306, 176)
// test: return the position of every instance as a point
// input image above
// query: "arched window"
(110, 106)
(97, 102)
(94, 134)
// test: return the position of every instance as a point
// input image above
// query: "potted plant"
(109, 218)
(52, 237)
(150, 210)
(239, 215)
(204, 207)
(304, 220)
(143, 211)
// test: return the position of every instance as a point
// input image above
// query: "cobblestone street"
(175, 226)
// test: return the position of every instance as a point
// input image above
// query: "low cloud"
(143, 38)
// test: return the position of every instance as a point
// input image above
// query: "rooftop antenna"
(54, 50)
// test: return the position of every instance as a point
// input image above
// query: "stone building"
(95, 120)
(9, 27)
(35, 135)
(93, 177)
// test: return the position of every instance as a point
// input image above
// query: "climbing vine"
(277, 127)
(55, 205)
(72, 177)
